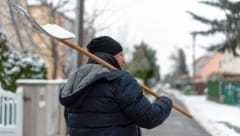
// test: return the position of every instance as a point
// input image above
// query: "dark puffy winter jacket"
(102, 102)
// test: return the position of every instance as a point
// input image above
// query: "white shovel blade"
(52, 30)
(57, 31)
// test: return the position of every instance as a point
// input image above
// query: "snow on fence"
(11, 105)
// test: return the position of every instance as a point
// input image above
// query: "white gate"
(11, 113)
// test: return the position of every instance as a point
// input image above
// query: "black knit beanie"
(104, 44)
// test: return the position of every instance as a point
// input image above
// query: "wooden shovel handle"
(104, 63)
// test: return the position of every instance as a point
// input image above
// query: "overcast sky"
(164, 25)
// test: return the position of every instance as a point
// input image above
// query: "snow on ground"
(218, 119)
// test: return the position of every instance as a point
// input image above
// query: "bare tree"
(16, 27)
(10, 24)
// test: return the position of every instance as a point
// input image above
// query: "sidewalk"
(217, 119)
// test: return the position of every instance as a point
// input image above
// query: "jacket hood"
(79, 80)
(84, 76)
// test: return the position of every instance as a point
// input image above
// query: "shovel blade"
(52, 30)
(57, 31)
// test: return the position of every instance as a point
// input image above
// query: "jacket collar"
(106, 57)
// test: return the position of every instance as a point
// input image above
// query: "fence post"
(41, 108)
(19, 112)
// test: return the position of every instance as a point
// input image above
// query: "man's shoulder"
(121, 74)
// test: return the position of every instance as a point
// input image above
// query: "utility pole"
(193, 59)
(80, 30)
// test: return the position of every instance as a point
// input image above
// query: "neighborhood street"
(177, 125)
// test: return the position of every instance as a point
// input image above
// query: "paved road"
(177, 125)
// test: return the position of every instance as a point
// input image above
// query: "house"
(204, 67)
(207, 65)
(229, 63)
(212, 65)
(199, 64)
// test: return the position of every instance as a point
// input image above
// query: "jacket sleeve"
(137, 107)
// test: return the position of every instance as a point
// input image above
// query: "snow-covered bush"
(14, 66)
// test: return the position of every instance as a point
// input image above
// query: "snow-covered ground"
(217, 119)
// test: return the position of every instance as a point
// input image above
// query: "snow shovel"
(63, 35)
